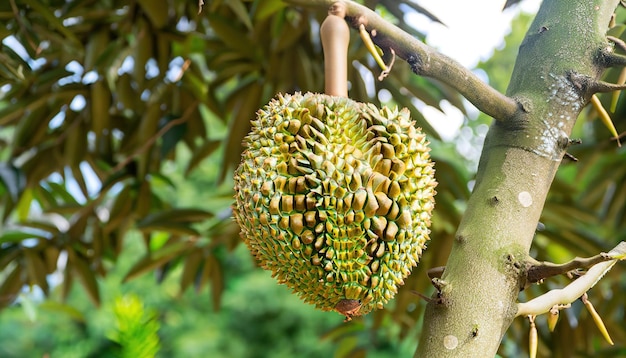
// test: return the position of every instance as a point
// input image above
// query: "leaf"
(86, 276)
(62, 308)
(13, 180)
(36, 269)
(192, 264)
(268, 8)
(18, 236)
(169, 227)
(232, 35)
(54, 21)
(241, 12)
(217, 282)
(157, 11)
(175, 215)
(172, 136)
(419, 9)
(199, 154)
(247, 102)
(156, 258)
(59, 191)
(100, 118)
(11, 286)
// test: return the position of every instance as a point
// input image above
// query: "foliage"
(137, 328)
(122, 121)
(99, 99)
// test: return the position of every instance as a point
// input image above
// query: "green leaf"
(9, 289)
(36, 269)
(193, 263)
(86, 275)
(13, 180)
(62, 308)
(17, 236)
(53, 21)
(169, 227)
(240, 11)
(175, 215)
(247, 102)
(231, 34)
(156, 259)
(199, 154)
(268, 8)
(170, 139)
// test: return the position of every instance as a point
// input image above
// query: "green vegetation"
(120, 130)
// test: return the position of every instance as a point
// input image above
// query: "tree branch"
(424, 60)
(538, 271)
(574, 290)
(591, 86)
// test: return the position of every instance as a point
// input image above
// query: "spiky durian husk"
(335, 198)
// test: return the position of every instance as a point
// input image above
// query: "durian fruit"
(334, 197)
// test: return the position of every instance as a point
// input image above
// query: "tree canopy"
(121, 123)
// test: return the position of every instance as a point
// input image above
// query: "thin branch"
(618, 42)
(574, 290)
(590, 86)
(424, 60)
(542, 270)
(610, 59)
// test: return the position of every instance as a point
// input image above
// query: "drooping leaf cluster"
(99, 101)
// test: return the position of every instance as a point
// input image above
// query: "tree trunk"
(563, 54)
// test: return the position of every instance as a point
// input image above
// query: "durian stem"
(424, 60)
(335, 35)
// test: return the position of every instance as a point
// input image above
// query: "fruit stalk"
(335, 35)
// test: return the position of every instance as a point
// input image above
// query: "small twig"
(422, 296)
(570, 157)
(542, 270)
(182, 71)
(609, 59)
(575, 289)
(589, 85)
(618, 42)
(182, 119)
(436, 272)
(622, 135)
(200, 4)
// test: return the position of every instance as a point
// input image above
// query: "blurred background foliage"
(120, 126)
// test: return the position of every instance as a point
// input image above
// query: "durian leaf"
(217, 282)
(156, 259)
(248, 100)
(17, 236)
(241, 12)
(65, 309)
(13, 180)
(231, 34)
(192, 264)
(36, 269)
(82, 270)
(10, 287)
(202, 152)
(173, 228)
(175, 215)
(203, 275)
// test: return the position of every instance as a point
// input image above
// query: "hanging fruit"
(333, 196)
